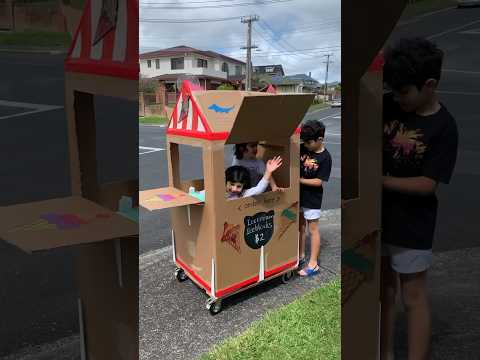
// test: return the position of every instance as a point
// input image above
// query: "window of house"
(177, 63)
(202, 63)
(238, 70)
(225, 67)
(149, 63)
(157, 63)
(270, 69)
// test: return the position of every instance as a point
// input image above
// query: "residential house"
(211, 68)
(299, 83)
(272, 70)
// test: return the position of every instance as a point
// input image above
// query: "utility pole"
(326, 76)
(248, 78)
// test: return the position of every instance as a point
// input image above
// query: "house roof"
(294, 80)
(106, 42)
(182, 50)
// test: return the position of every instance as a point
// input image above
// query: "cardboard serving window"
(266, 151)
(272, 118)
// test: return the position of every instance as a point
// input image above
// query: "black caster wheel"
(287, 277)
(214, 306)
(180, 275)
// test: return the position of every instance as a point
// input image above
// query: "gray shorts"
(407, 261)
(310, 214)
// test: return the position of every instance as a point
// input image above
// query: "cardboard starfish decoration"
(108, 19)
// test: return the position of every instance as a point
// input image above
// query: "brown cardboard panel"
(268, 151)
(238, 254)
(165, 198)
(111, 193)
(102, 85)
(61, 222)
(110, 310)
(269, 118)
(361, 217)
(221, 107)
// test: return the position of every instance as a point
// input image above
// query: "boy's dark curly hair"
(312, 130)
(412, 61)
(239, 149)
(238, 174)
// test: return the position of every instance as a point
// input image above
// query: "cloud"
(285, 29)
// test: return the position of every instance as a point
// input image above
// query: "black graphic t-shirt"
(414, 146)
(313, 166)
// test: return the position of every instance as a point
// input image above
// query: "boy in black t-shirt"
(315, 167)
(419, 151)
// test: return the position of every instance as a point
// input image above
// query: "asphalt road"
(37, 291)
(155, 226)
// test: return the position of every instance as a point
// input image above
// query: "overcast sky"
(294, 33)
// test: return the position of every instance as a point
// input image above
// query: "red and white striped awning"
(106, 41)
(188, 119)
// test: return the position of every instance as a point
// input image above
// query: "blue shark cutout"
(220, 109)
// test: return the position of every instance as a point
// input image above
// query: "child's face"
(251, 151)
(410, 99)
(313, 145)
(234, 187)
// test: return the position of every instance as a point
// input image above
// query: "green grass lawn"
(424, 6)
(317, 107)
(36, 39)
(157, 120)
(308, 328)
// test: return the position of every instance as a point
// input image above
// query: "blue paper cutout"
(220, 109)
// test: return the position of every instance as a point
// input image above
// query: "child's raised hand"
(274, 164)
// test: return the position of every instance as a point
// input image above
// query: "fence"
(38, 16)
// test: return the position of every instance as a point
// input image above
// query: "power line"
(189, 2)
(265, 25)
(173, 6)
(188, 21)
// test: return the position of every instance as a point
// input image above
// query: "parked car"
(466, 3)
(336, 103)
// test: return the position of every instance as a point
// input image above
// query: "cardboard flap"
(61, 222)
(164, 198)
(269, 117)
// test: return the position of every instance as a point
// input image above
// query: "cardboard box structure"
(229, 245)
(365, 28)
(98, 219)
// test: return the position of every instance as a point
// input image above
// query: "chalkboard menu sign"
(258, 229)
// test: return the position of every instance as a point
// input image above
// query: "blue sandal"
(310, 272)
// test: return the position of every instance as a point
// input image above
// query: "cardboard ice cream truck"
(226, 246)
(100, 220)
